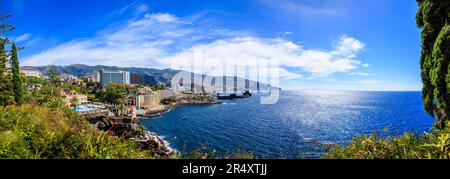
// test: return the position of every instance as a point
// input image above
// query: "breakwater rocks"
(159, 147)
(127, 127)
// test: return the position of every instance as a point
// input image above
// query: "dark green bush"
(434, 145)
(34, 132)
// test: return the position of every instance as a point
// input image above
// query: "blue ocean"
(298, 126)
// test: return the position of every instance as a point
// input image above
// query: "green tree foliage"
(74, 102)
(35, 132)
(114, 94)
(168, 101)
(73, 87)
(158, 87)
(5, 27)
(17, 80)
(433, 17)
(203, 152)
(54, 78)
(408, 146)
(6, 96)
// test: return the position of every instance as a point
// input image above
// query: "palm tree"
(74, 102)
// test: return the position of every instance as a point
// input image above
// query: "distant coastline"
(85, 71)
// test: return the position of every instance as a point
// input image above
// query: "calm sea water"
(294, 127)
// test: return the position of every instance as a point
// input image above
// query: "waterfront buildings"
(142, 79)
(144, 91)
(124, 77)
(106, 77)
(164, 94)
(153, 99)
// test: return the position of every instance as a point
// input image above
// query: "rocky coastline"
(152, 113)
(132, 129)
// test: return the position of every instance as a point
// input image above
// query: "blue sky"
(322, 44)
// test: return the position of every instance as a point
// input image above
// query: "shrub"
(34, 132)
(434, 145)
(203, 152)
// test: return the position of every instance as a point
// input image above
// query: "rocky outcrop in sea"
(120, 126)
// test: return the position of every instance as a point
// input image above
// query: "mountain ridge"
(81, 70)
(161, 76)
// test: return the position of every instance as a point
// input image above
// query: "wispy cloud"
(162, 39)
(304, 9)
(23, 37)
(288, 33)
(141, 8)
(135, 7)
(360, 74)
(162, 17)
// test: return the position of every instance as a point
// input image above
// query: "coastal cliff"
(130, 128)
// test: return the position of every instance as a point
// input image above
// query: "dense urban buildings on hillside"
(31, 72)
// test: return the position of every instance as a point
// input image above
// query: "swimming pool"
(85, 108)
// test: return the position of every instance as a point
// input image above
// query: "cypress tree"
(6, 91)
(17, 80)
(433, 18)
(5, 77)
(4, 98)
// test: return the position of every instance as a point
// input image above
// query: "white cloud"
(366, 82)
(135, 7)
(162, 17)
(93, 53)
(288, 33)
(141, 8)
(23, 37)
(136, 43)
(361, 74)
(348, 47)
(161, 40)
(289, 75)
(316, 63)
